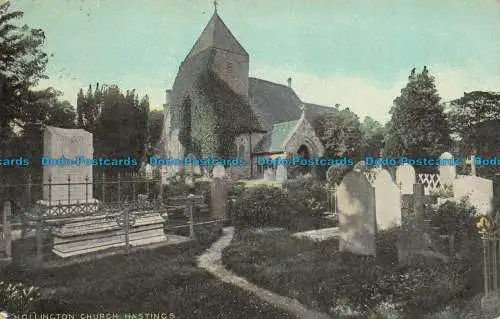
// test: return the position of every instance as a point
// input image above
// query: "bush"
(18, 298)
(263, 206)
(236, 189)
(459, 220)
(387, 245)
(307, 194)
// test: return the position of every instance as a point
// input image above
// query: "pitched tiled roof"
(273, 103)
(216, 35)
(314, 111)
(279, 134)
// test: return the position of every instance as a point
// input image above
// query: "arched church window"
(241, 151)
(229, 68)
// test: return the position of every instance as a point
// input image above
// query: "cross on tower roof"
(215, 5)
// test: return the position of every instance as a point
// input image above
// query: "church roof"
(279, 134)
(216, 35)
(314, 111)
(273, 103)
(276, 103)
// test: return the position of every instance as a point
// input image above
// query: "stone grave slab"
(478, 189)
(218, 198)
(219, 171)
(405, 178)
(447, 173)
(281, 174)
(388, 201)
(356, 208)
(91, 234)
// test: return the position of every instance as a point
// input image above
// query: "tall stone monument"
(67, 167)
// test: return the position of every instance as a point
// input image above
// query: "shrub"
(263, 206)
(307, 194)
(236, 189)
(203, 188)
(387, 245)
(18, 298)
(459, 220)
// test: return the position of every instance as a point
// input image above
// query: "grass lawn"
(344, 285)
(165, 279)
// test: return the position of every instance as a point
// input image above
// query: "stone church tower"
(215, 109)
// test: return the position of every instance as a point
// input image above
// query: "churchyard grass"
(165, 279)
(341, 283)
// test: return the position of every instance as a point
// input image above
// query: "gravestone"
(478, 189)
(281, 174)
(163, 175)
(412, 241)
(388, 201)
(356, 208)
(447, 172)
(219, 171)
(405, 178)
(360, 166)
(218, 198)
(148, 171)
(5, 233)
(70, 144)
(269, 175)
(197, 170)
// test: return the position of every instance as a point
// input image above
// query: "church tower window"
(229, 68)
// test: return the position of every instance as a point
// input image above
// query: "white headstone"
(281, 176)
(69, 144)
(149, 171)
(405, 178)
(269, 174)
(479, 190)
(219, 171)
(360, 166)
(356, 208)
(387, 201)
(163, 175)
(447, 172)
(197, 169)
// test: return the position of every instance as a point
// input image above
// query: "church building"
(215, 109)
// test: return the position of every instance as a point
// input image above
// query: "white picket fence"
(431, 182)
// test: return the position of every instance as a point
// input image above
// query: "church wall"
(202, 132)
(306, 135)
(233, 69)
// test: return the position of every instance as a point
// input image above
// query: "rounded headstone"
(360, 166)
(405, 178)
(281, 174)
(219, 171)
(448, 171)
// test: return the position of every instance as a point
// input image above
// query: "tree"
(22, 65)
(474, 120)
(341, 134)
(43, 107)
(155, 125)
(121, 127)
(373, 137)
(418, 126)
(89, 106)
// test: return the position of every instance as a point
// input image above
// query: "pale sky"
(357, 53)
